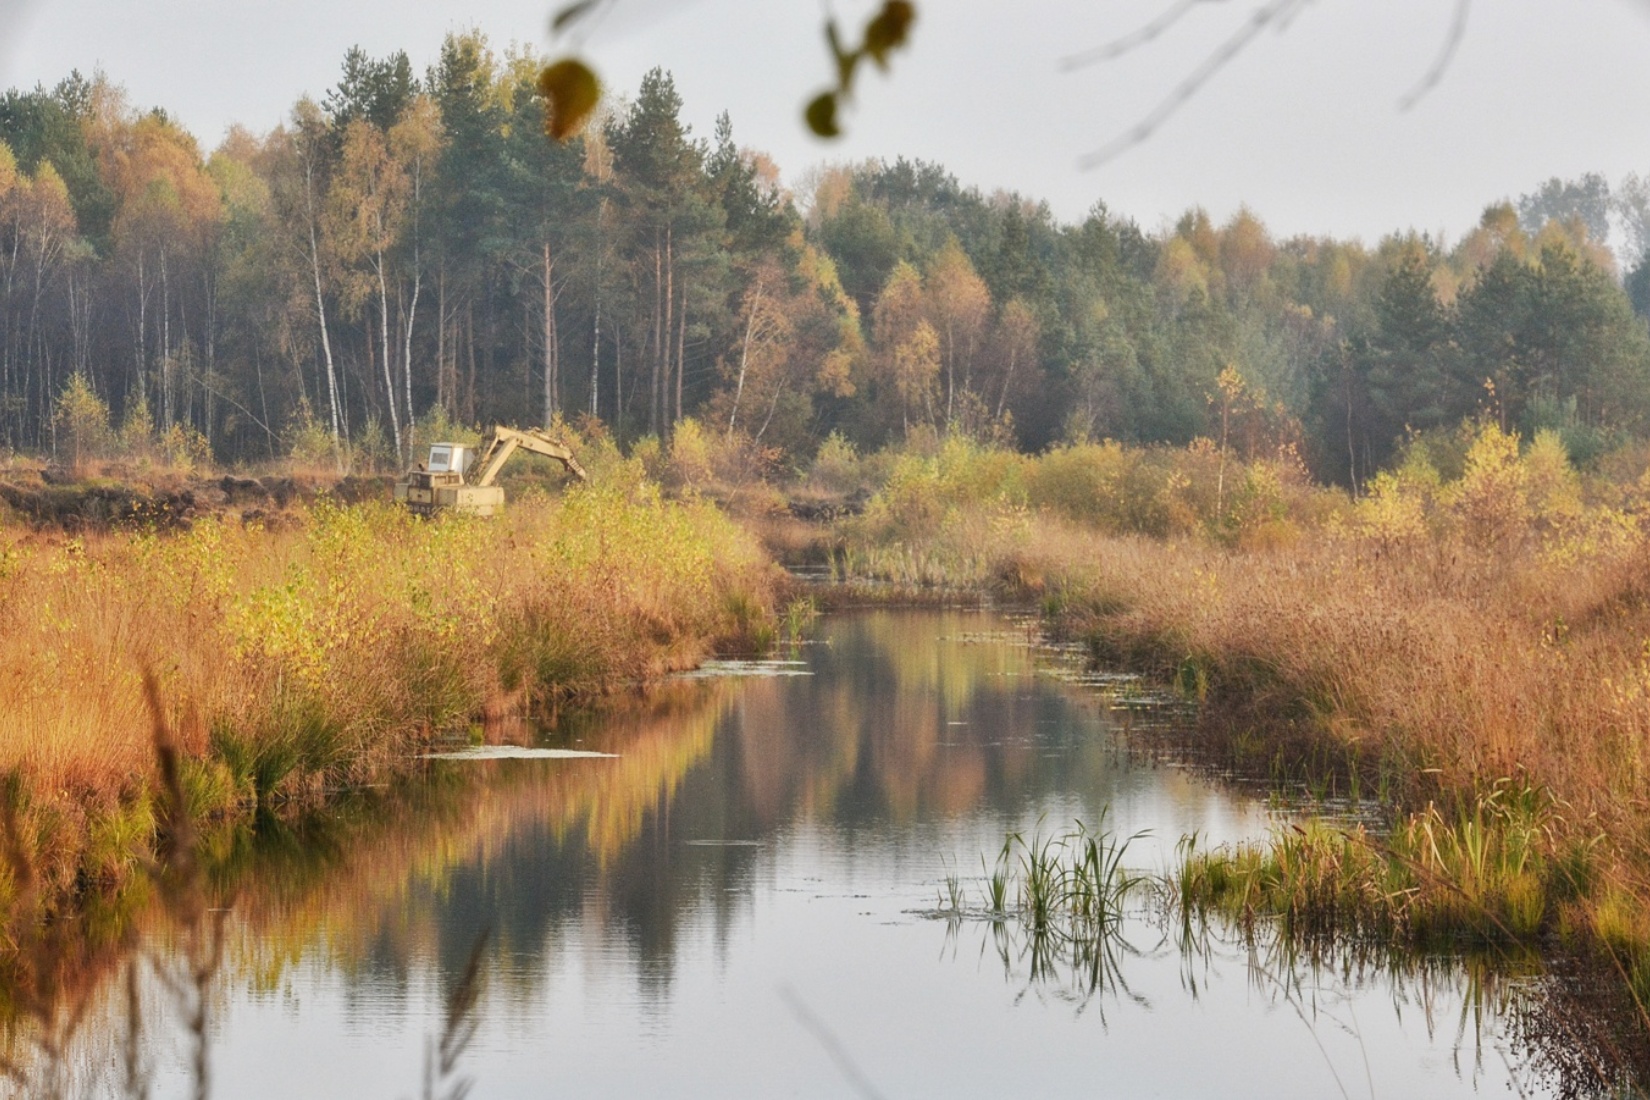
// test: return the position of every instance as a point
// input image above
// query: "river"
(751, 895)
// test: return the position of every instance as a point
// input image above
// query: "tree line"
(410, 250)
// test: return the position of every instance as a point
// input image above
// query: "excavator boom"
(504, 442)
(448, 481)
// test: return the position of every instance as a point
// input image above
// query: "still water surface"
(739, 903)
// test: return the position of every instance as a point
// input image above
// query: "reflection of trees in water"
(898, 729)
(378, 879)
(534, 852)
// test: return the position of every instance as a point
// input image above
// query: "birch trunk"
(551, 356)
(384, 345)
(744, 356)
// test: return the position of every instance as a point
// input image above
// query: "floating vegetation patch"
(715, 670)
(516, 752)
(1021, 638)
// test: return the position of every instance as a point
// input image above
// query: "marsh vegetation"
(320, 657)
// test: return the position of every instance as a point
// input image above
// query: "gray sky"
(1304, 127)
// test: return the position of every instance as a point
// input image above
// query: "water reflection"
(732, 905)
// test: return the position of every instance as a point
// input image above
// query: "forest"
(410, 253)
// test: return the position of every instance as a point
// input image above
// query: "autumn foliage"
(331, 651)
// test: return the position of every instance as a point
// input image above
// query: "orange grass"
(320, 655)
(1439, 636)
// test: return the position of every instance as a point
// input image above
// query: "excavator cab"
(449, 458)
(458, 477)
(438, 485)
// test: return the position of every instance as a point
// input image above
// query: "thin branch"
(1276, 11)
(1116, 48)
(1457, 32)
(580, 20)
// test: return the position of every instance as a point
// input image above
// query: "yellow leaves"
(571, 92)
(1492, 498)
(368, 197)
(8, 170)
(690, 457)
(916, 364)
(1553, 485)
(1246, 250)
(1389, 516)
(836, 373)
(162, 187)
(1505, 498)
(83, 419)
(1180, 270)
(958, 299)
(276, 624)
(49, 200)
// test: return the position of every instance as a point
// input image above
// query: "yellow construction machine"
(459, 478)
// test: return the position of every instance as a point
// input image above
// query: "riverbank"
(1468, 635)
(322, 653)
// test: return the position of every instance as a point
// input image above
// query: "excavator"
(459, 478)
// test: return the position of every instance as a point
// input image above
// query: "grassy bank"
(1475, 623)
(321, 655)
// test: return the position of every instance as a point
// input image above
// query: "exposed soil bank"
(54, 500)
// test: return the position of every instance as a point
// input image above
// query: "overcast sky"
(1304, 127)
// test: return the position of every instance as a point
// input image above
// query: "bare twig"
(1132, 41)
(1452, 43)
(579, 20)
(1275, 11)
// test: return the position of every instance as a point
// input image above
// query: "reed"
(319, 656)
(1073, 884)
(1056, 904)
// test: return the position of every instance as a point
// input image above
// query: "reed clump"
(321, 655)
(1495, 873)
(1074, 882)
(1057, 903)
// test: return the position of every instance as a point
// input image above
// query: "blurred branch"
(833, 1046)
(571, 90)
(1274, 11)
(1135, 39)
(1452, 43)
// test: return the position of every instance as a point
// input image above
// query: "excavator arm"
(504, 442)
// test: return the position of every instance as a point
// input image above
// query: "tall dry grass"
(1438, 638)
(319, 655)
(1461, 630)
